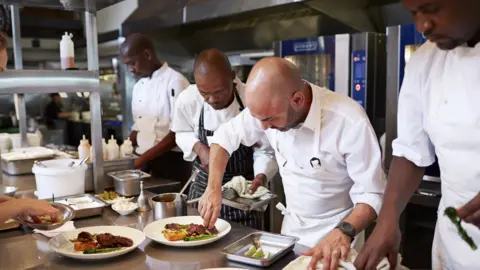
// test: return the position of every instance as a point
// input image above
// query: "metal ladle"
(178, 197)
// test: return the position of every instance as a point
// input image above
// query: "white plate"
(154, 231)
(62, 245)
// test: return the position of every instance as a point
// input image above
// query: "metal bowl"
(66, 212)
(9, 190)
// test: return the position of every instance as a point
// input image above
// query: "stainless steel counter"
(31, 251)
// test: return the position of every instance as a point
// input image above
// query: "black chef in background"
(53, 111)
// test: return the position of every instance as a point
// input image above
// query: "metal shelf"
(48, 81)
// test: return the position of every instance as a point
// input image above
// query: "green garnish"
(250, 251)
(100, 250)
(258, 254)
(197, 238)
(451, 213)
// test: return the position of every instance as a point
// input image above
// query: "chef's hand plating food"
(191, 232)
(100, 243)
(25, 207)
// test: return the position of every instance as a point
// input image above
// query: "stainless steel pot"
(165, 206)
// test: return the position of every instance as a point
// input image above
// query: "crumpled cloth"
(302, 262)
(242, 187)
(68, 226)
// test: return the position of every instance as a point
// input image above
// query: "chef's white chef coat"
(439, 112)
(186, 119)
(152, 105)
(319, 195)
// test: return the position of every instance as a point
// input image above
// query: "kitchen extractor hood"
(237, 25)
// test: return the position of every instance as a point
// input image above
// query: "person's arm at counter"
(165, 145)
(13, 208)
(243, 129)
(412, 151)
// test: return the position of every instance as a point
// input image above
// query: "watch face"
(347, 228)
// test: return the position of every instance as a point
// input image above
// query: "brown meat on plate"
(106, 240)
(85, 237)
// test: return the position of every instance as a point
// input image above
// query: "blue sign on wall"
(313, 45)
(359, 76)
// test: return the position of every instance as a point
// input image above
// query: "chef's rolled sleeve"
(364, 164)
(183, 126)
(242, 129)
(413, 142)
(264, 159)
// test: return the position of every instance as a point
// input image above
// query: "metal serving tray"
(128, 175)
(85, 212)
(278, 246)
(108, 166)
(231, 198)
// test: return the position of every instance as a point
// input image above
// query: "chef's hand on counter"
(203, 152)
(258, 181)
(333, 248)
(383, 242)
(470, 212)
(210, 205)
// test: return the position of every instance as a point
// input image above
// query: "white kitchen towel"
(242, 187)
(68, 226)
(302, 262)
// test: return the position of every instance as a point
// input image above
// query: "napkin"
(242, 187)
(302, 262)
(68, 226)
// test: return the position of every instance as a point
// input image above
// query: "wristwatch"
(347, 229)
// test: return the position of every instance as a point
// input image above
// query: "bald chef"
(326, 149)
(216, 98)
(152, 105)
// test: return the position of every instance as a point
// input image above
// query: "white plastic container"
(113, 150)
(67, 51)
(83, 148)
(59, 179)
(126, 150)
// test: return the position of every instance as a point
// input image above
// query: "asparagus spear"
(100, 250)
(451, 213)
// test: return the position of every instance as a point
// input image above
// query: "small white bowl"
(124, 212)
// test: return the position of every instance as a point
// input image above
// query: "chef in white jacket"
(326, 150)
(438, 113)
(153, 100)
(216, 98)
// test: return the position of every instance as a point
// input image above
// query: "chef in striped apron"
(199, 111)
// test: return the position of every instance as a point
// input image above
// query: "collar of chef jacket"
(314, 116)
(160, 71)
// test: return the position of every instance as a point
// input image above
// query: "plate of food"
(111, 197)
(95, 243)
(186, 231)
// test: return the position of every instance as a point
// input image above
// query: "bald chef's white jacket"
(153, 100)
(328, 164)
(185, 125)
(439, 113)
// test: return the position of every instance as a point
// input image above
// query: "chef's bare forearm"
(198, 148)
(133, 138)
(165, 145)
(404, 178)
(361, 217)
(218, 162)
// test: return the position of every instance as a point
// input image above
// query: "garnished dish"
(100, 243)
(187, 233)
(108, 195)
(111, 197)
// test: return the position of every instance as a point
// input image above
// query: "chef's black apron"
(240, 163)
